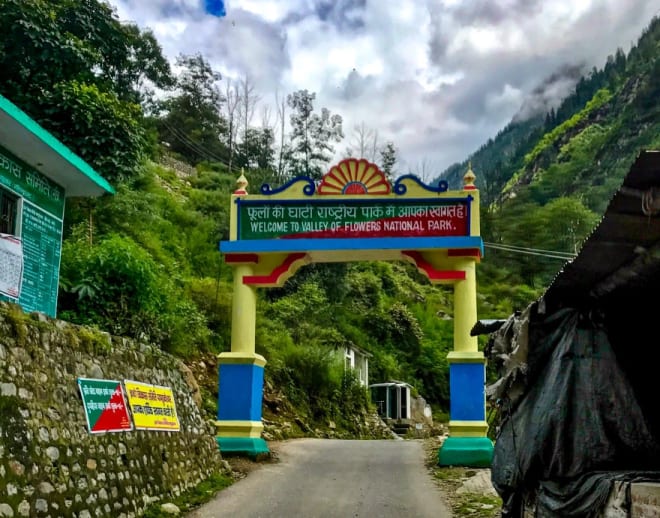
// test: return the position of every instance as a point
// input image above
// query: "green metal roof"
(26, 139)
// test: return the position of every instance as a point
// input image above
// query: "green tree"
(565, 222)
(80, 72)
(122, 133)
(135, 64)
(256, 150)
(190, 121)
(312, 135)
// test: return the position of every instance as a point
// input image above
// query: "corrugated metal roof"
(622, 252)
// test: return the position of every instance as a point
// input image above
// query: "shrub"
(116, 286)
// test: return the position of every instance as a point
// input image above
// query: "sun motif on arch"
(354, 176)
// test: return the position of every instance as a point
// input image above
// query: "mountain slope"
(546, 180)
(587, 144)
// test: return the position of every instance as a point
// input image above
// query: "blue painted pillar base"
(240, 393)
(467, 387)
(472, 452)
(468, 444)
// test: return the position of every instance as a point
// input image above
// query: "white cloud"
(437, 77)
(270, 11)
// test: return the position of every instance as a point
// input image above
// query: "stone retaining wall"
(181, 169)
(50, 465)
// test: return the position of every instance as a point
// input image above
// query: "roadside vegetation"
(190, 500)
(480, 502)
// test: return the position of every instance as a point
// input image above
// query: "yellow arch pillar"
(468, 444)
(467, 373)
(241, 371)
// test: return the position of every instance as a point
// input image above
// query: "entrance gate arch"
(353, 214)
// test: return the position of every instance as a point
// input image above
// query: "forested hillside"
(145, 262)
(546, 180)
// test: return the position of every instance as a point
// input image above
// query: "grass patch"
(449, 479)
(450, 474)
(197, 496)
(472, 505)
(477, 506)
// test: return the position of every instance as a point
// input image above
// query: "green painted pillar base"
(471, 452)
(249, 446)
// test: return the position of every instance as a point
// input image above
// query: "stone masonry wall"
(50, 465)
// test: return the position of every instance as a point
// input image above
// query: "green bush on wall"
(116, 286)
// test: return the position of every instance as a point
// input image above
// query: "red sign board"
(300, 219)
(105, 405)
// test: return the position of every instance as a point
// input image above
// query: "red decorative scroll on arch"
(279, 275)
(435, 276)
(354, 176)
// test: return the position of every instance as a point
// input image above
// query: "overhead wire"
(184, 140)
(570, 255)
(550, 254)
(194, 146)
(188, 141)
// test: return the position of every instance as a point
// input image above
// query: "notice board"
(42, 246)
(41, 214)
(105, 405)
(152, 406)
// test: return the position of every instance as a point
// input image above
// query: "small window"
(8, 210)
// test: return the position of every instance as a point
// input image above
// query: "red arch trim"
(273, 277)
(432, 273)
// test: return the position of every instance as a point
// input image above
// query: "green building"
(37, 174)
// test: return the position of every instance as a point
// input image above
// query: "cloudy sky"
(436, 77)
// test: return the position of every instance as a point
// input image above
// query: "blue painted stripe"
(371, 243)
(467, 391)
(256, 392)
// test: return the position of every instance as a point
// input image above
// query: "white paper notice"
(11, 265)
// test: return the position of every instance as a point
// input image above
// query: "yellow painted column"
(465, 307)
(244, 312)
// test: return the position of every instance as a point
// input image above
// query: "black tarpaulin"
(578, 368)
(580, 415)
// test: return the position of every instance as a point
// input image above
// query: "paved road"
(317, 478)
